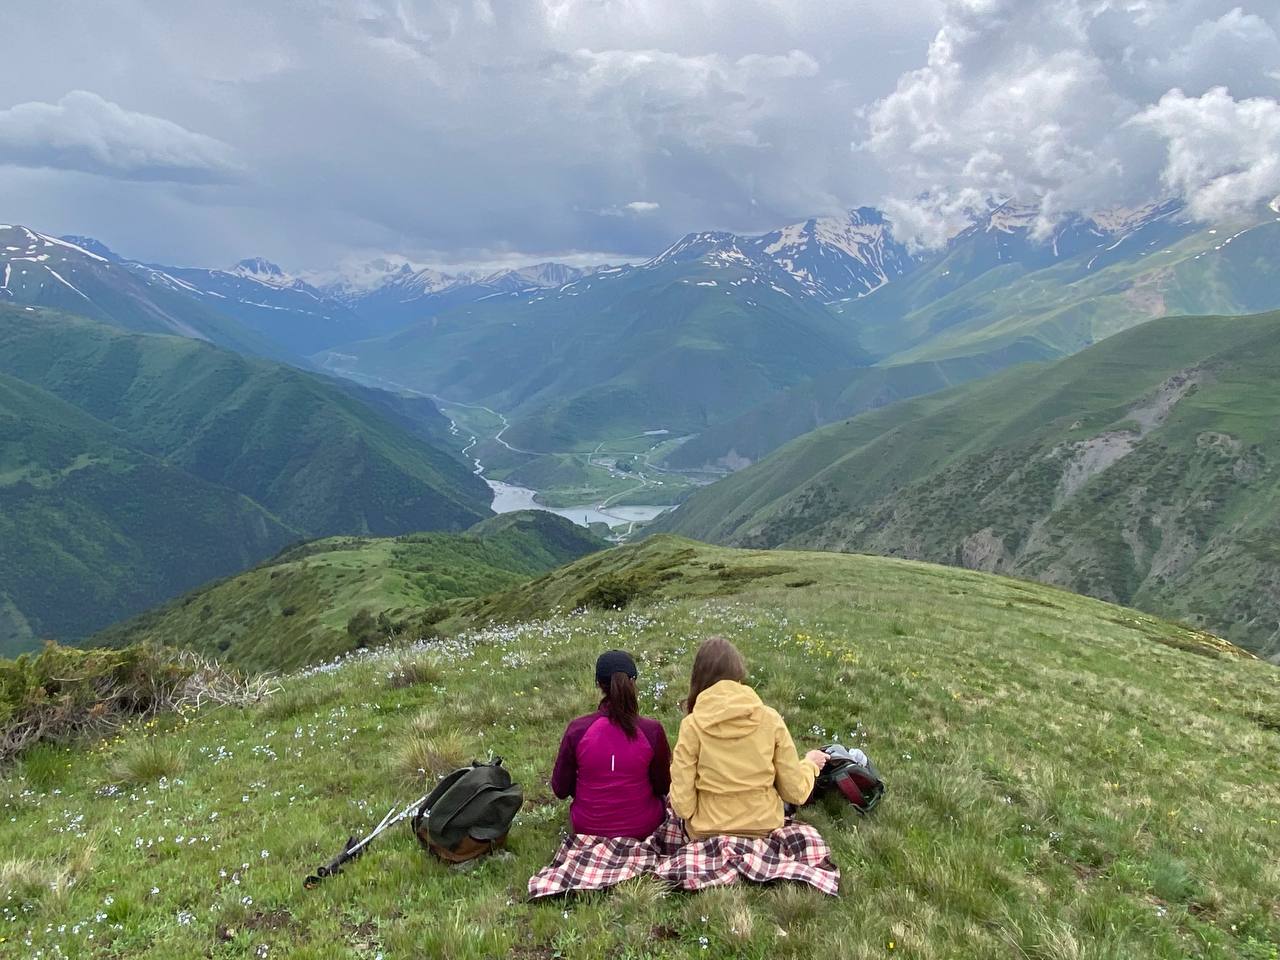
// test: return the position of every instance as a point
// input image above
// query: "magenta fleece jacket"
(617, 783)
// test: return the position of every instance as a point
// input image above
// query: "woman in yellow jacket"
(735, 763)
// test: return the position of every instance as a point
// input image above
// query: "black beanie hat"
(614, 661)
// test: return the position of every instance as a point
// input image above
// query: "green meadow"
(1067, 779)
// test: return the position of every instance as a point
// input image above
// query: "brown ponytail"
(620, 702)
(717, 659)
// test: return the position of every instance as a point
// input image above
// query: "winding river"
(507, 498)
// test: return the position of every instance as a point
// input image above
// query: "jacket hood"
(728, 710)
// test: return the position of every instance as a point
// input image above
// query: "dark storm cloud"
(453, 130)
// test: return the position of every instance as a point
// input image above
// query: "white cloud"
(1072, 103)
(643, 206)
(84, 132)
(1223, 154)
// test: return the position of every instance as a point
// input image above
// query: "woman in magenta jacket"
(615, 763)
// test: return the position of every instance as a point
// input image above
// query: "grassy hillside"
(826, 398)
(970, 302)
(1066, 779)
(92, 529)
(676, 346)
(313, 454)
(1141, 470)
(325, 598)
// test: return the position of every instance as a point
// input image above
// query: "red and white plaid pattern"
(796, 851)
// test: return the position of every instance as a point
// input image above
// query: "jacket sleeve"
(684, 770)
(793, 777)
(660, 765)
(564, 778)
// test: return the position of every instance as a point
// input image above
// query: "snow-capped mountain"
(851, 256)
(93, 246)
(1008, 232)
(83, 277)
(539, 276)
(828, 258)
(834, 257)
(39, 269)
(374, 283)
(263, 271)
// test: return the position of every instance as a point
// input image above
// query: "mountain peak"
(838, 256)
(695, 246)
(258, 267)
(90, 245)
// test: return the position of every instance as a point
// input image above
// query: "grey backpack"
(853, 774)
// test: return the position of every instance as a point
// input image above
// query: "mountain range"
(998, 296)
(253, 306)
(737, 343)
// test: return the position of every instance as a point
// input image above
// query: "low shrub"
(613, 592)
(367, 629)
(62, 694)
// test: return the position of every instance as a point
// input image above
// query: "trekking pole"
(354, 847)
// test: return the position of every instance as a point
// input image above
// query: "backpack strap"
(846, 784)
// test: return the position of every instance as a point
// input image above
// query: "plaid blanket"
(796, 851)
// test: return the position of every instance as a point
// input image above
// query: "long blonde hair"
(717, 659)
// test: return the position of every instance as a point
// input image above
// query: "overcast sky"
(469, 131)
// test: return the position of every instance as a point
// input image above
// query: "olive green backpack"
(469, 813)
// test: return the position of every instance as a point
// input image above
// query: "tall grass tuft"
(295, 699)
(145, 762)
(422, 759)
(22, 880)
(411, 669)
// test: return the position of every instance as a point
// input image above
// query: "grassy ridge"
(327, 597)
(1141, 470)
(92, 529)
(134, 467)
(1067, 779)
